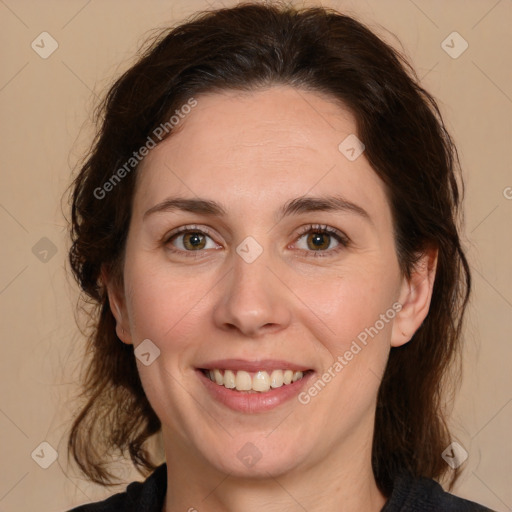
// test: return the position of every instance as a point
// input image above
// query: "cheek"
(348, 307)
(162, 305)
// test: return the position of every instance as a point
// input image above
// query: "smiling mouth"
(253, 382)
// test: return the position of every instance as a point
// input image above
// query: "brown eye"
(318, 241)
(190, 240)
(194, 241)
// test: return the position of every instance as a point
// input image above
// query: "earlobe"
(122, 332)
(118, 309)
(415, 297)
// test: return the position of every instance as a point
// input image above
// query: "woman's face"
(285, 260)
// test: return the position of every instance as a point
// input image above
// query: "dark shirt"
(409, 495)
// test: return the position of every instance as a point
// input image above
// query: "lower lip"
(242, 401)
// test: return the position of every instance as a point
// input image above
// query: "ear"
(415, 296)
(117, 302)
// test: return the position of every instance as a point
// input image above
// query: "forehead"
(254, 148)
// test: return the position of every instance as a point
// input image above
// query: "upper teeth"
(260, 381)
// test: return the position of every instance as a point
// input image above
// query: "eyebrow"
(303, 204)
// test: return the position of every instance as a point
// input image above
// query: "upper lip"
(253, 366)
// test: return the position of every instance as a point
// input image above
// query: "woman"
(267, 224)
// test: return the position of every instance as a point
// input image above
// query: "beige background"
(45, 105)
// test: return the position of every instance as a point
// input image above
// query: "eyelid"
(323, 228)
(185, 229)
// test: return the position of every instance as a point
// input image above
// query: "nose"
(253, 301)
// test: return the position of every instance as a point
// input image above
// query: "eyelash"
(311, 228)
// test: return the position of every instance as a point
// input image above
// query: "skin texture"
(253, 152)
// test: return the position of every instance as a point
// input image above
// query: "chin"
(258, 457)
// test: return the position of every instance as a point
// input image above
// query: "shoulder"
(425, 495)
(147, 496)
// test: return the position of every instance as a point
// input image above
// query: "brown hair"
(245, 48)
